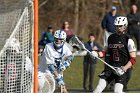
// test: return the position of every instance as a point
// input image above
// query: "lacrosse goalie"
(13, 62)
(56, 58)
(122, 55)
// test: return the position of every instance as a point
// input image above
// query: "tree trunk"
(76, 23)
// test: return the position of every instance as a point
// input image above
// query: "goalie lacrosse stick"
(74, 41)
(51, 81)
(46, 82)
(63, 89)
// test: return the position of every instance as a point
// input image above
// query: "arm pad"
(133, 60)
(104, 53)
(51, 68)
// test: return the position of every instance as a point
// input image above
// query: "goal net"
(16, 25)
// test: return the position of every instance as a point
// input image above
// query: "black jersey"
(118, 49)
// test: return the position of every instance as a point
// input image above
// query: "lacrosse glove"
(65, 65)
(94, 54)
(60, 80)
(119, 71)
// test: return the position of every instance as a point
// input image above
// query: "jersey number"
(115, 55)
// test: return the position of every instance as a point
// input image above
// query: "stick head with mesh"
(46, 82)
(74, 41)
(51, 80)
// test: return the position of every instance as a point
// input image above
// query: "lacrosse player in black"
(122, 55)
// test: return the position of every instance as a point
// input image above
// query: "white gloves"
(28, 65)
(94, 53)
(60, 80)
(62, 67)
(119, 71)
(65, 65)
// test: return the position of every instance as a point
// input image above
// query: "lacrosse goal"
(16, 46)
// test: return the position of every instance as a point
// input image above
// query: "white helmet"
(59, 34)
(14, 44)
(121, 21)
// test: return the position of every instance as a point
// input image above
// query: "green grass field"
(73, 76)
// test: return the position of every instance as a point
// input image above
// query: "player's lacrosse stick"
(63, 89)
(74, 41)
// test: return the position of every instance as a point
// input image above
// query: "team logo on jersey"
(116, 45)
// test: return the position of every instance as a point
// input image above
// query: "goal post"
(36, 46)
(18, 46)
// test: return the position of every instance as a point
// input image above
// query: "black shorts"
(109, 75)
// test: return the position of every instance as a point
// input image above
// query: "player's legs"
(91, 76)
(118, 88)
(119, 81)
(105, 77)
(106, 35)
(137, 37)
(85, 68)
(101, 86)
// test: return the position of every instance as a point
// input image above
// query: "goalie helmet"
(59, 35)
(14, 45)
(121, 21)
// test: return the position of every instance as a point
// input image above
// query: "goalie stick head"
(46, 82)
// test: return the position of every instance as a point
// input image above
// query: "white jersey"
(50, 55)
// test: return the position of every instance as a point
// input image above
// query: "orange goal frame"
(35, 46)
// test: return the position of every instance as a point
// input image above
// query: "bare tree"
(76, 16)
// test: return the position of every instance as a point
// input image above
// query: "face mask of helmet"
(120, 29)
(59, 42)
(60, 37)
